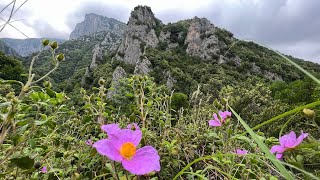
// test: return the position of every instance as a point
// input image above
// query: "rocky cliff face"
(25, 47)
(201, 39)
(139, 34)
(117, 75)
(95, 23)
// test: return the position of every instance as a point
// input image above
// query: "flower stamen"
(128, 150)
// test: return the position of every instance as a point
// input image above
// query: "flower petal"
(127, 135)
(241, 151)
(107, 148)
(278, 149)
(279, 156)
(225, 114)
(214, 123)
(145, 161)
(300, 138)
(111, 129)
(288, 140)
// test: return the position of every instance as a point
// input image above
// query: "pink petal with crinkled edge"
(127, 135)
(241, 151)
(107, 148)
(143, 162)
(111, 129)
(214, 123)
(288, 140)
(224, 115)
(300, 138)
(278, 149)
(279, 156)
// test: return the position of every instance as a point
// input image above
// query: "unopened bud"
(47, 84)
(10, 95)
(101, 81)
(60, 57)
(54, 45)
(309, 113)
(15, 100)
(45, 42)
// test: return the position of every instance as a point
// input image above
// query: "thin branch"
(12, 21)
(6, 6)
(46, 74)
(20, 6)
(11, 14)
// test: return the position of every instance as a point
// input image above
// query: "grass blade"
(264, 148)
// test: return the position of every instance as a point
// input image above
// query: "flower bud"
(299, 158)
(54, 45)
(10, 95)
(47, 84)
(45, 42)
(101, 81)
(15, 100)
(76, 175)
(60, 57)
(309, 113)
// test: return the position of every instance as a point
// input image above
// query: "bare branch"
(11, 14)
(6, 7)
(14, 28)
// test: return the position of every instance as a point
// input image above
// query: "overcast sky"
(290, 26)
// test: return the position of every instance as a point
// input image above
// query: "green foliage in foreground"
(50, 133)
(44, 128)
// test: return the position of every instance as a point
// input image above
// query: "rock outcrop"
(95, 23)
(139, 34)
(201, 39)
(143, 67)
(118, 74)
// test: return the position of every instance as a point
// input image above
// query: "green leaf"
(51, 93)
(32, 143)
(23, 162)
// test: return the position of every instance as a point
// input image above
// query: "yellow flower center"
(128, 150)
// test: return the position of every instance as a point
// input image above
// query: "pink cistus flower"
(218, 122)
(121, 146)
(241, 152)
(44, 169)
(287, 141)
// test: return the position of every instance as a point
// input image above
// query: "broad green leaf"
(23, 162)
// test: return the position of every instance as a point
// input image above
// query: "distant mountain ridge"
(25, 47)
(7, 50)
(96, 23)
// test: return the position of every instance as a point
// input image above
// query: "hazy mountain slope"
(25, 47)
(7, 50)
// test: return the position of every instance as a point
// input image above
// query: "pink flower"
(241, 151)
(121, 146)
(89, 142)
(287, 141)
(218, 122)
(44, 169)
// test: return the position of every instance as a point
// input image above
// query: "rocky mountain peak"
(201, 38)
(142, 15)
(139, 34)
(95, 23)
